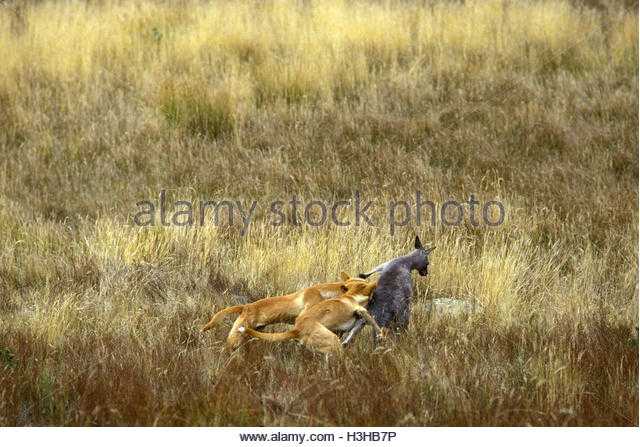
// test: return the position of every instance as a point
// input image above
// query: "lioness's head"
(357, 288)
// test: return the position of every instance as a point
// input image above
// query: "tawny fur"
(277, 309)
(315, 325)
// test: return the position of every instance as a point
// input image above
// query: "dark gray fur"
(390, 304)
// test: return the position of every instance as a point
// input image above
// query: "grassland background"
(102, 104)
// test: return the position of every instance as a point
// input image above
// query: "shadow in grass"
(7, 358)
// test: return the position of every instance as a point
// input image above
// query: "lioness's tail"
(276, 336)
(220, 315)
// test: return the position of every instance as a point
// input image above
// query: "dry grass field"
(104, 104)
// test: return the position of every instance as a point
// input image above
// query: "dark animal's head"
(421, 257)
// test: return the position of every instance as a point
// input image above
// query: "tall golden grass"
(103, 104)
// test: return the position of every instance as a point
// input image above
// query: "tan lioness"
(278, 309)
(315, 324)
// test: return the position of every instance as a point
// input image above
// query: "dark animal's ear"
(417, 243)
(430, 249)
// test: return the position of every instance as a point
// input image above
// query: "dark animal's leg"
(357, 327)
(359, 324)
(384, 317)
(375, 270)
(402, 317)
(375, 339)
(362, 312)
(382, 321)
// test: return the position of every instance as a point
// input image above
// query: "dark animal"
(390, 304)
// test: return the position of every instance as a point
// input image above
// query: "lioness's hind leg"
(235, 337)
(322, 339)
